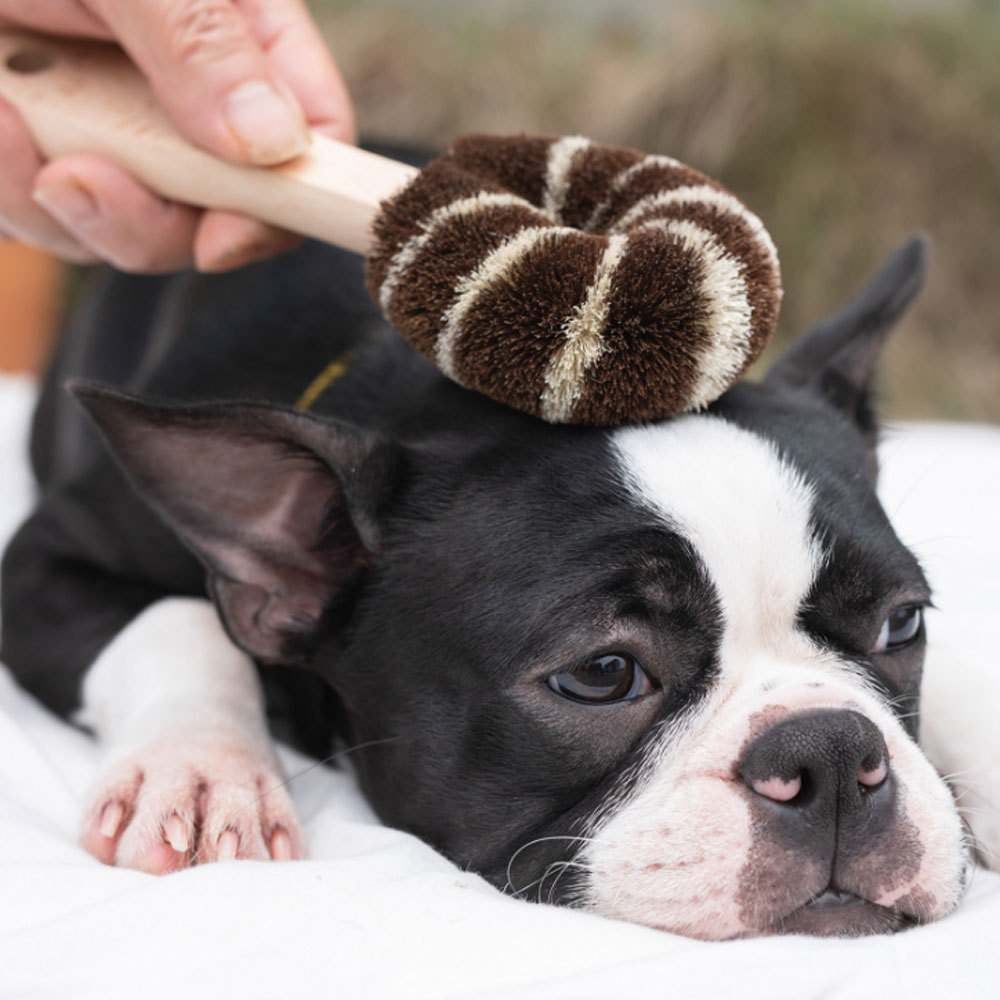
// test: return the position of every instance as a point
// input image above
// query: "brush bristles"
(577, 282)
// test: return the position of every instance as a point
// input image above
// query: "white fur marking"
(172, 664)
(676, 851)
(744, 510)
(188, 760)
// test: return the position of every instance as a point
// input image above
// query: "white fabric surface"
(376, 914)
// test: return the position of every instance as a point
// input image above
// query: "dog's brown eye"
(899, 630)
(603, 680)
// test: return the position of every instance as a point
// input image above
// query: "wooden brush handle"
(88, 97)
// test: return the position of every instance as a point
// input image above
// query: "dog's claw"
(101, 830)
(176, 834)
(228, 846)
(111, 819)
(281, 845)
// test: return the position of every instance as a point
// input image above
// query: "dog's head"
(669, 673)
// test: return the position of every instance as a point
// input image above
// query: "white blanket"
(377, 914)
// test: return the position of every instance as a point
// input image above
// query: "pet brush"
(575, 281)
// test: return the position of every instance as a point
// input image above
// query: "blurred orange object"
(30, 297)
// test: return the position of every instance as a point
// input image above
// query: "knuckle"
(161, 243)
(200, 32)
(74, 253)
(141, 258)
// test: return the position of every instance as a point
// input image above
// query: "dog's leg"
(190, 773)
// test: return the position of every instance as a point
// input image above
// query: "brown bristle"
(574, 281)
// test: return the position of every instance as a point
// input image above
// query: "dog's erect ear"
(838, 357)
(281, 508)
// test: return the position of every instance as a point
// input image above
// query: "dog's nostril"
(777, 788)
(872, 778)
(825, 762)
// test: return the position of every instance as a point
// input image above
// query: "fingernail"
(67, 201)
(269, 126)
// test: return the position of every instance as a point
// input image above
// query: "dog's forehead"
(572, 527)
(746, 511)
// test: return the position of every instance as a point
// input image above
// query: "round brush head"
(575, 281)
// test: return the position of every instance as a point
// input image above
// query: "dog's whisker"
(549, 870)
(978, 811)
(533, 843)
(197, 855)
(973, 843)
(951, 775)
(563, 866)
(976, 846)
(622, 887)
(918, 480)
(337, 754)
(958, 783)
(934, 539)
(509, 885)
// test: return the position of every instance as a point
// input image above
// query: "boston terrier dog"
(666, 673)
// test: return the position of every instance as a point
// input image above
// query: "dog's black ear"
(280, 507)
(837, 358)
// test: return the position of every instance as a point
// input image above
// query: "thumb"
(211, 76)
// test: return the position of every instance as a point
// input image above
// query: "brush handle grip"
(88, 97)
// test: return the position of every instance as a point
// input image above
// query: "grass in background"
(845, 125)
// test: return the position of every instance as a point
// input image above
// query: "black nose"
(826, 773)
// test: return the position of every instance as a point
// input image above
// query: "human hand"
(244, 79)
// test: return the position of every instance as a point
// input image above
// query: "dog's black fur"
(433, 548)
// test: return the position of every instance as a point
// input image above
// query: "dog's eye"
(899, 630)
(603, 680)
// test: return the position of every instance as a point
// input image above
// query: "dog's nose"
(827, 769)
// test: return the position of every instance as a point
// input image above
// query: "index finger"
(57, 16)
(211, 75)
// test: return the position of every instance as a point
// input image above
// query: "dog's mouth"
(837, 913)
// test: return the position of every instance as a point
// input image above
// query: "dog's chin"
(841, 914)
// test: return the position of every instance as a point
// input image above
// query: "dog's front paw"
(180, 802)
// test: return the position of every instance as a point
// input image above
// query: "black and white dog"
(669, 673)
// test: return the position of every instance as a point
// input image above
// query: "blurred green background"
(845, 124)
